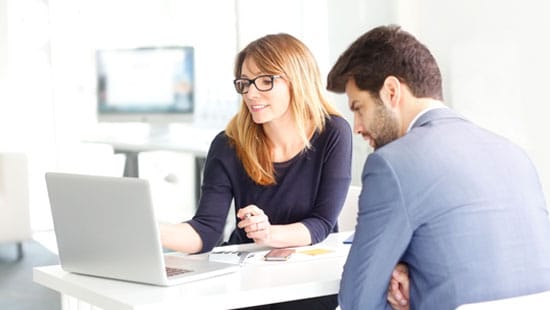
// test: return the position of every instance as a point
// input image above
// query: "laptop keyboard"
(172, 272)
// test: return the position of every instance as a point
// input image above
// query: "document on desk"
(230, 256)
(257, 258)
(251, 253)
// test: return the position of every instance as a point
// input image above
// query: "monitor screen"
(149, 84)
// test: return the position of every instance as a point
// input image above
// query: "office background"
(493, 57)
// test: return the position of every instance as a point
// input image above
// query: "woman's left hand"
(255, 223)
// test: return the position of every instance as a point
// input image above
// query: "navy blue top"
(311, 187)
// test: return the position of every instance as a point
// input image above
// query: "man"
(462, 207)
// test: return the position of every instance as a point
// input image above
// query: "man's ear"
(391, 91)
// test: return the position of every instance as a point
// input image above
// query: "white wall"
(26, 113)
(81, 27)
(304, 19)
(495, 60)
(493, 56)
(345, 24)
(3, 42)
(47, 86)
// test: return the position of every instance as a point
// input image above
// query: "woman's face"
(265, 106)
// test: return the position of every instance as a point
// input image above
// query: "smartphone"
(279, 254)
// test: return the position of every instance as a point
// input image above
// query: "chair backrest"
(348, 217)
(537, 301)
(14, 198)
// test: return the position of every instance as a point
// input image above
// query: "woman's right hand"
(255, 223)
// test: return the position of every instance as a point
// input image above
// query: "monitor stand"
(159, 131)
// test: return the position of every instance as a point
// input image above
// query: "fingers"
(394, 302)
(253, 221)
(398, 288)
(401, 276)
(395, 296)
(249, 211)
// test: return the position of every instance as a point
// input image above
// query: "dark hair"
(385, 51)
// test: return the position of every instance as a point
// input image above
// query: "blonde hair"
(280, 54)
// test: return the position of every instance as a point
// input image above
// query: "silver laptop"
(106, 227)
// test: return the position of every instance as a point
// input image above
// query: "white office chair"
(539, 301)
(14, 200)
(348, 217)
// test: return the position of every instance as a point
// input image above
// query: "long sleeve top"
(311, 187)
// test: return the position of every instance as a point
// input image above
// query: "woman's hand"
(255, 223)
(398, 289)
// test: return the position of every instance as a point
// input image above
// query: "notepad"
(230, 256)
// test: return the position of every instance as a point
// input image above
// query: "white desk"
(256, 283)
(131, 140)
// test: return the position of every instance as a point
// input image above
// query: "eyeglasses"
(262, 83)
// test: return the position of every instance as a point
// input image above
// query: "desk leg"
(131, 165)
(199, 167)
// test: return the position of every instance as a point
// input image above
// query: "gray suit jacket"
(461, 206)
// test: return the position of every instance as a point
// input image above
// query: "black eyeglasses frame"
(253, 82)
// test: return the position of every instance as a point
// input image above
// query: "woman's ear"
(391, 91)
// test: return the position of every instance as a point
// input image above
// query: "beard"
(385, 128)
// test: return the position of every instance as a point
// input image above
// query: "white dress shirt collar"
(433, 107)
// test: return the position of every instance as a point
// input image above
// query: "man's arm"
(382, 236)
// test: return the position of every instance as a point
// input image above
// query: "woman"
(284, 158)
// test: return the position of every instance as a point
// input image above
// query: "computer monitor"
(152, 85)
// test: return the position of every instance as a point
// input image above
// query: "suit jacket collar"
(436, 114)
